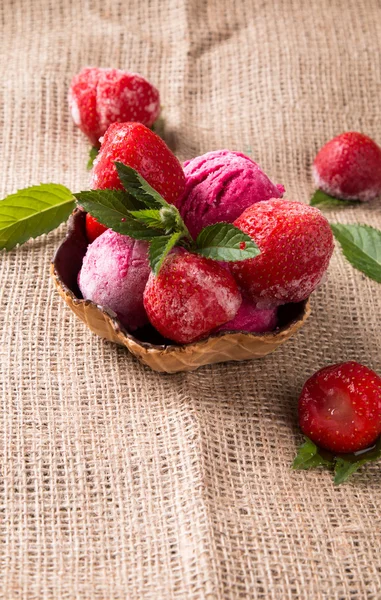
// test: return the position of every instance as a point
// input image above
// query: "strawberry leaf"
(33, 211)
(346, 464)
(225, 242)
(93, 153)
(361, 245)
(160, 247)
(309, 456)
(138, 187)
(324, 200)
(112, 209)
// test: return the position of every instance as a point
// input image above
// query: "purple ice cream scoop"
(114, 273)
(220, 185)
(252, 319)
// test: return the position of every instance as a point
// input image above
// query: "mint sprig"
(344, 465)
(33, 211)
(142, 213)
(361, 245)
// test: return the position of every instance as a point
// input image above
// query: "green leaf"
(166, 219)
(309, 456)
(225, 242)
(344, 469)
(93, 153)
(150, 217)
(33, 211)
(347, 464)
(324, 200)
(361, 245)
(112, 208)
(138, 187)
(159, 248)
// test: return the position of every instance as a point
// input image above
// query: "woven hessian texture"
(121, 483)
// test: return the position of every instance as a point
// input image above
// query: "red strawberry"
(296, 245)
(99, 97)
(340, 407)
(349, 167)
(190, 296)
(93, 228)
(137, 146)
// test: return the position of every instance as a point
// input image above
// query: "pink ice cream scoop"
(114, 273)
(252, 319)
(220, 185)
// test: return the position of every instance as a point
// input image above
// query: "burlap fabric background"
(117, 482)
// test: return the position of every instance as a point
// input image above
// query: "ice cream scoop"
(251, 319)
(114, 273)
(220, 185)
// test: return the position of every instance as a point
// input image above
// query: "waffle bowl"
(147, 345)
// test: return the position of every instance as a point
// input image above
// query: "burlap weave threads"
(120, 483)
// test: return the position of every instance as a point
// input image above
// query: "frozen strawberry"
(296, 245)
(340, 407)
(93, 228)
(251, 319)
(99, 97)
(349, 167)
(190, 296)
(137, 146)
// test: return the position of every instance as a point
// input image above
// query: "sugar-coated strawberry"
(137, 146)
(349, 167)
(99, 97)
(296, 245)
(340, 407)
(93, 228)
(190, 296)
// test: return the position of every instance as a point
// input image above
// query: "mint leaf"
(93, 153)
(347, 464)
(344, 469)
(33, 211)
(309, 456)
(166, 219)
(112, 209)
(225, 242)
(361, 245)
(150, 217)
(324, 200)
(159, 248)
(138, 187)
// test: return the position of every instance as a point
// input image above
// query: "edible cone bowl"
(146, 344)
